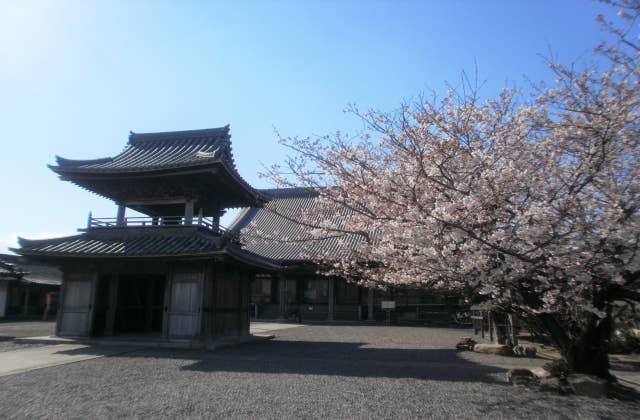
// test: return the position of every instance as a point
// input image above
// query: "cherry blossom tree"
(533, 203)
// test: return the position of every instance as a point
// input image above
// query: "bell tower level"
(174, 178)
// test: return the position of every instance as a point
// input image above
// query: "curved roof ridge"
(288, 192)
(23, 241)
(160, 154)
(150, 151)
(170, 135)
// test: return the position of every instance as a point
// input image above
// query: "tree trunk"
(587, 351)
(590, 353)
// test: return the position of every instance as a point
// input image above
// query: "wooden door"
(185, 304)
(76, 308)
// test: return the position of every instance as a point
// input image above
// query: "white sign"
(388, 304)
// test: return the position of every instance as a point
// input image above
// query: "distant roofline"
(289, 192)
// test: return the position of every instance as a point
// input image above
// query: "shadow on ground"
(325, 358)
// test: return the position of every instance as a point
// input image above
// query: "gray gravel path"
(9, 345)
(308, 372)
(26, 328)
(13, 329)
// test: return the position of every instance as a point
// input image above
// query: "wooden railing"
(146, 221)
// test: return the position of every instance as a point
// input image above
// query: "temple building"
(175, 273)
(27, 289)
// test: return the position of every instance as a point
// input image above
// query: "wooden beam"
(175, 200)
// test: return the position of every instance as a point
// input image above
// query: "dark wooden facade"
(320, 298)
(195, 301)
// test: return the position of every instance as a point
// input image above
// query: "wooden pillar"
(112, 306)
(207, 303)
(148, 306)
(370, 305)
(4, 297)
(166, 302)
(120, 220)
(239, 330)
(490, 315)
(332, 298)
(216, 219)
(282, 295)
(360, 315)
(61, 298)
(27, 296)
(512, 323)
(188, 212)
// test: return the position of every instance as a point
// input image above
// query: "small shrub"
(558, 368)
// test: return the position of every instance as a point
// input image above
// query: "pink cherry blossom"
(532, 203)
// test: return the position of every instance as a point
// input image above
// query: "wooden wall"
(204, 299)
(75, 316)
(230, 287)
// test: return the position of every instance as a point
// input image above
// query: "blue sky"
(75, 77)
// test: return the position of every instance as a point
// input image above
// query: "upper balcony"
(208, 223)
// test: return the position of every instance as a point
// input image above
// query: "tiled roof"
(205, 155)
(31, 272)
(155, 151)
(7, 270)
(126, 242)
(274, 231)
(142, 242)
(270, 236)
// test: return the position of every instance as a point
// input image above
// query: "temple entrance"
(140, 304)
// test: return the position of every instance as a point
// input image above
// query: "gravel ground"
(9, 345)
(13, 329)
(26, 328)
(308, 372)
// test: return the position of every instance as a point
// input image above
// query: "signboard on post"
(389, 305)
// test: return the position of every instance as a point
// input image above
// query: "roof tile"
(121, 243)
(151, 151)
(273, 231)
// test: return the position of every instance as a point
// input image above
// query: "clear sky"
(75, 77)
